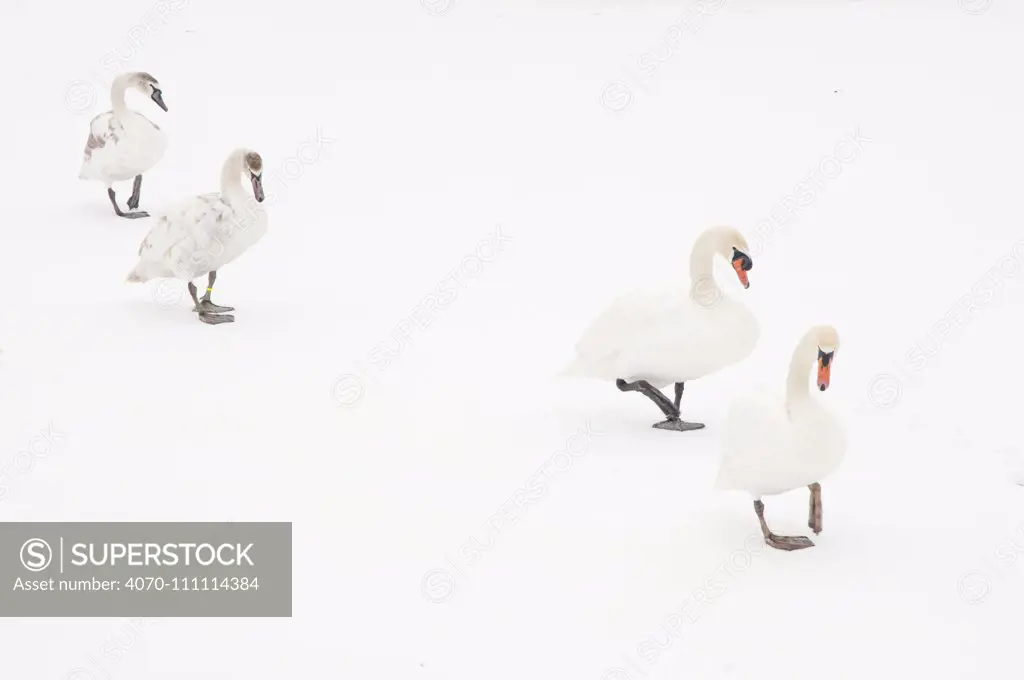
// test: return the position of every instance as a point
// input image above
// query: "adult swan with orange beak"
(645, 342)
(770, 446)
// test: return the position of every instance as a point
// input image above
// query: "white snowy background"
(535, 159)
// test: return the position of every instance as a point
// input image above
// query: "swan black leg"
(676, 423)
(133, 200)
(649, 391)
(119, 212)
(670, 410)
(207, 310)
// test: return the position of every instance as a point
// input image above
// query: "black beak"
(257, 187)
(158, 97)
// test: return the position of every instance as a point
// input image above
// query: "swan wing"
(627, 319)
(104, 132)
(757, 453)
(186, 239)
(103, 129)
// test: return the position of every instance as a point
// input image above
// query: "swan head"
(827, 339)
(252, 164)
(742, 264)
(730, 244)
(147, 85)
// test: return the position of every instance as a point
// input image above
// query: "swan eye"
(825, 358)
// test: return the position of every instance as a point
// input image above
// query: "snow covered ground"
(458, 187)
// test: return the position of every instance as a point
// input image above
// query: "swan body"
(664, 338)
(122, 143)
(672, 336)
(771, 445)
(768, 449)
(202, 234)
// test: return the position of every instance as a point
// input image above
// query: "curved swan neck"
(702, 261)
(797, 384)
(231, 176)
(702, 257)
(117, 90)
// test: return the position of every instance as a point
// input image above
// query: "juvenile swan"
(645, 341)
(124, 144)
(771, 446)
(206, 232)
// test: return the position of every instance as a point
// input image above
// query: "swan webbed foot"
(215, 319)
(677, 425)
(209, 313)
(133, 200)
(121, 213)
(207, 307)
(776, 541)
(788, 542)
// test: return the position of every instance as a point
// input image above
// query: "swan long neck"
(117, 90)
(702, 262)
(231, 177)
(797, 384)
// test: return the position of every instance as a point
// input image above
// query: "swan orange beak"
(824, 369)
(738, 266)
(742, 264)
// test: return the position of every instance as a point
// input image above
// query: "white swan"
(206, 232)
(124, 144)
(647, 341)
(771, 446)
